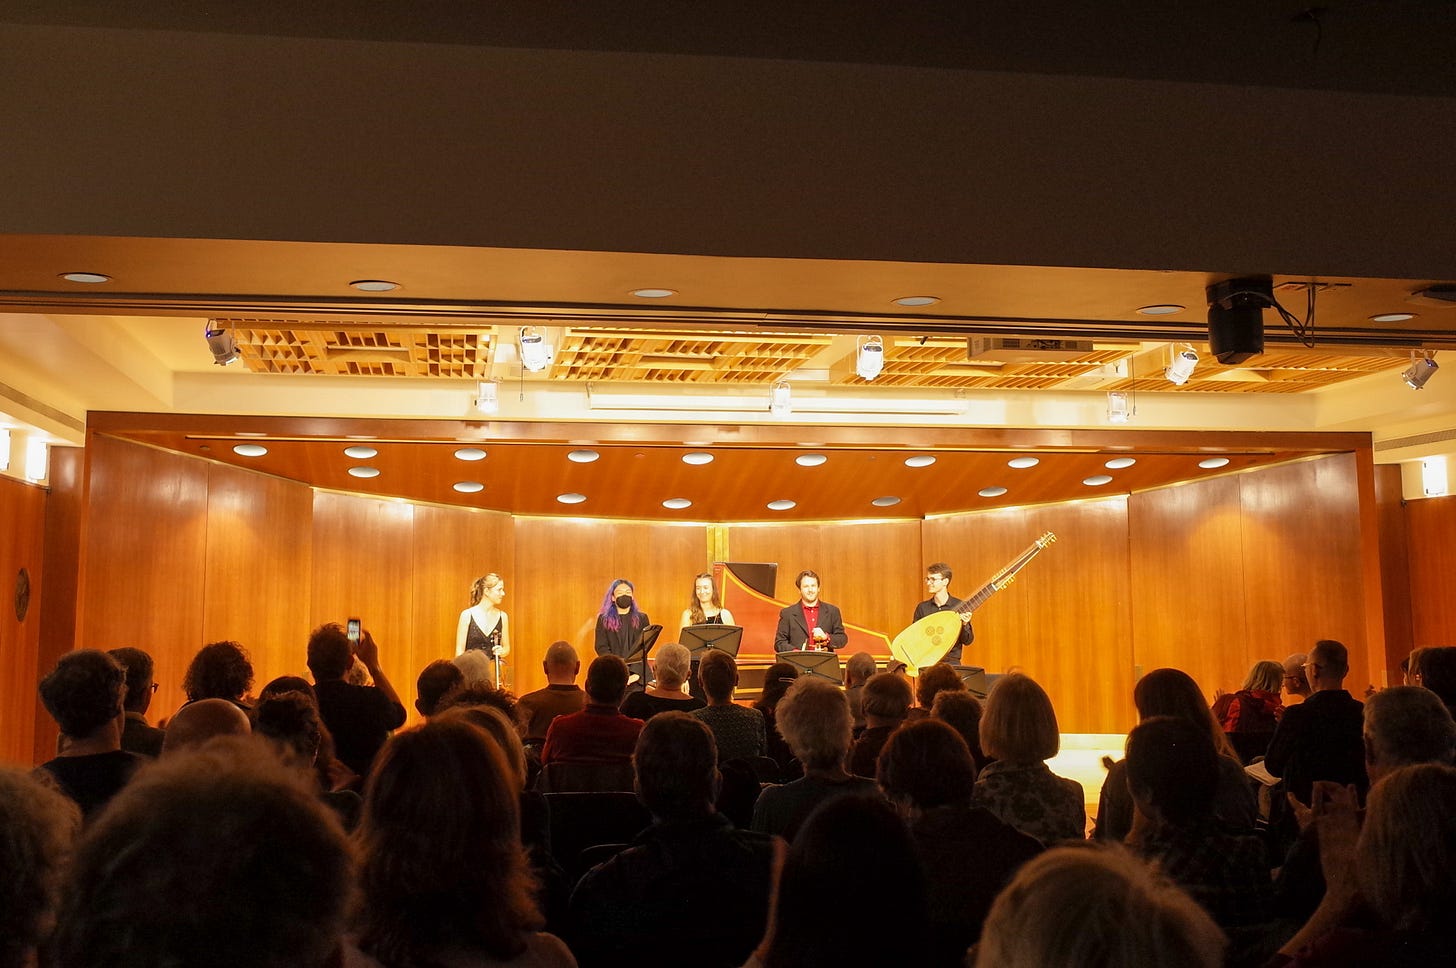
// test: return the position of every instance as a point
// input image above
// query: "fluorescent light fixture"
(1182, 365)
(220, 342)
(780, 402)
(4, 450)
(1119, 407)
(869, 357)
(487, 397)
(535, 354)
(1433, 477)
(468, 487)
(1422, 368)
(361, 452)
(36, 459)
(470, 453)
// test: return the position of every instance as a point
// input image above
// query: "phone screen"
(353, 630)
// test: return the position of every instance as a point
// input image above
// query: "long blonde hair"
(478, 587)
(695, 608)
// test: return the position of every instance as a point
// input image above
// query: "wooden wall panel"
(22, 546)
(64, 509)
(1432, 530)
(1395, 572)
(258, 571)
(143, 558)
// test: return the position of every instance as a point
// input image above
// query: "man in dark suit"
(809, 623)
(1322, 737)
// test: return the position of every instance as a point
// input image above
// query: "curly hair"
(480, 694)
(219, 670)
(813, 718)
(937, 679)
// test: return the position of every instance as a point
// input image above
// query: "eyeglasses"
(932, 579)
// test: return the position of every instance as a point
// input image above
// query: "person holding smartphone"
(484, 625)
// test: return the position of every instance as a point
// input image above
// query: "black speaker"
(1236, 318)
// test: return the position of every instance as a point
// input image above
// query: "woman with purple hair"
(620, 621)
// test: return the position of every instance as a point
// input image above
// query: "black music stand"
(702, 638)
(646, 639)
(975, 679)
(825, 665)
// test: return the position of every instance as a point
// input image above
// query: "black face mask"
(624, 601)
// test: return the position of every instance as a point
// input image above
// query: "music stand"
(701, 638)
(825, 665)
(975, 679)
(646, 639)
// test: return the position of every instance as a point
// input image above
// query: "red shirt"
(811, 617)
(597, 734)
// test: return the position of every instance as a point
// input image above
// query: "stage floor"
(1081, 760)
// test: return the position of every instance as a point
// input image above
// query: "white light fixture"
(361, 452)
(780, 400)
(470, 453)
(1161, 309)
(582, 456)
(1422, 368)
(1433, 477)
(677, 503)
(36, 459)
(220, 342)
(919, 460)
(571, 498)
(487, 397)
(1097, 480)
(653, 293)
(750, 401)
(364, 472)
(1392, 317)
(1118, 463)
(90, 278)
(1184, 361)
(250, 450)
(869, 357)
(4, 449)
(1021, 463)
(374, 285)
(468, 487)
(1119, 407)
(535, 354)
(917, 301)
(996, 491)
(810, 460)
(888, 501)
(698, 458)
(782, 505)
(1213, 463)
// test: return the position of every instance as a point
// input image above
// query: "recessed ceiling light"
(88, 277)
(572, 498)
(1161, 309)
(363, 472)
(374, 285)
(919, 460)
(653, 293)
(1211, 462)
(917, 300)
(1118, 463)
(782, 505)
(677, 503)
(1021, 463)
(582, 456)
(360, 452)
(250, 450)
(888, 501)
(1392, 317)
(470, 453)
(991, 491)
(468, 487)
(810, 460)
(1097, 480)
(698, 457)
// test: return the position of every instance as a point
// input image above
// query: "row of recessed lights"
(1171, 309)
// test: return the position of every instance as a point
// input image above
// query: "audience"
(738, 731)
(561, 696)
(1320, 738)
(84, 695)
(1296, 683)
(691, 889)
(435, 680)
(359, 717)
(1019, 730)
(219, 670)
(37, 826)
(290, 721)
(886, 703)
(332, 774)
(857, 671)
(476, 666)
(776, 682)
(137, 735)
(599, 733)
(931, 683)
(672, 663)
(202, 720)
(962, 712)
(1250, 715)
(1438, 673)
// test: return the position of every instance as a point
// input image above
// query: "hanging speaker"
(1236, 317)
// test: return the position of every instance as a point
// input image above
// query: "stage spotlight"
(869, 357)
(535, 354)
(1119, 407)
(487, 397)
(1236, 317)
(1184, 362)
(1422, 368)
(220, 341)
(779, 400)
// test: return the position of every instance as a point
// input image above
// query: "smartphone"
(354, 626)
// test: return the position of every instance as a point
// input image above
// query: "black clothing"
(967, 636)
(140, 738)
(477, 638)
(360, 719)
(94, 779)
(641, 706)
(623, 641)
(1322, 738)
(792, 633)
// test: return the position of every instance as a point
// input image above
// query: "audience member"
(1256, 707)
(813, 718)
(443, 875)
(84, 696)
(1088, 906)
(738, 731)
(1172, 692)
(219, 670)
(931, 683)
(1438, 673)
(1296, 683)
(332, 773)
(359, 717)
(776, 682)
(481, 694)
(436, 679)
(857, 671)
(202, 720)
(968, 855)
(217, 857)
(277, 687)
(1019, 730)
(646, 906)
(886, 703)
(599, 733)
(476, 665)
(137, 735)
(561, 696)
(1320, 738)
(1411, 667)
(672, 663)
(500, 728)
(37, 826)
(290, 721)
(962, 712)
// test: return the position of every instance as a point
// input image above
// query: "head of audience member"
(358, 674)
(219, 856)
(282, 684)
(139, 683)
(1405, 725)
(501, 729)
(1410, 666)
(1327, 666)
(330, 653)
(1018, 724)
(84, 695)
(858, 669)
(37, 827)
(291, 722)
(562, 665)
(1296, 683)
(886, 700)
(1172, 692)
(962, 712)
(435, 680)
(480, 694)
(672, 665)
(1090, 906)
(1172, 770)
(676, 767)
(718, 672)
(813, 718)
(219, 670)
(1405, 860)
(1264, 676)
(442, 867)
(476, 666)
(776, 682)
(926, 764)
(1438, 673)
(606, 680)
(828, 862)
(198, 722)
(935, 680)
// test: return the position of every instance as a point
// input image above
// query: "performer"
(483, 625)
(706, 609)
(619, 622)
(809, 624)
(937, 581)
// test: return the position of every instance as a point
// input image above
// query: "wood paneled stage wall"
(176, 551)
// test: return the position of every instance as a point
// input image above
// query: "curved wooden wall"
(22, 545)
